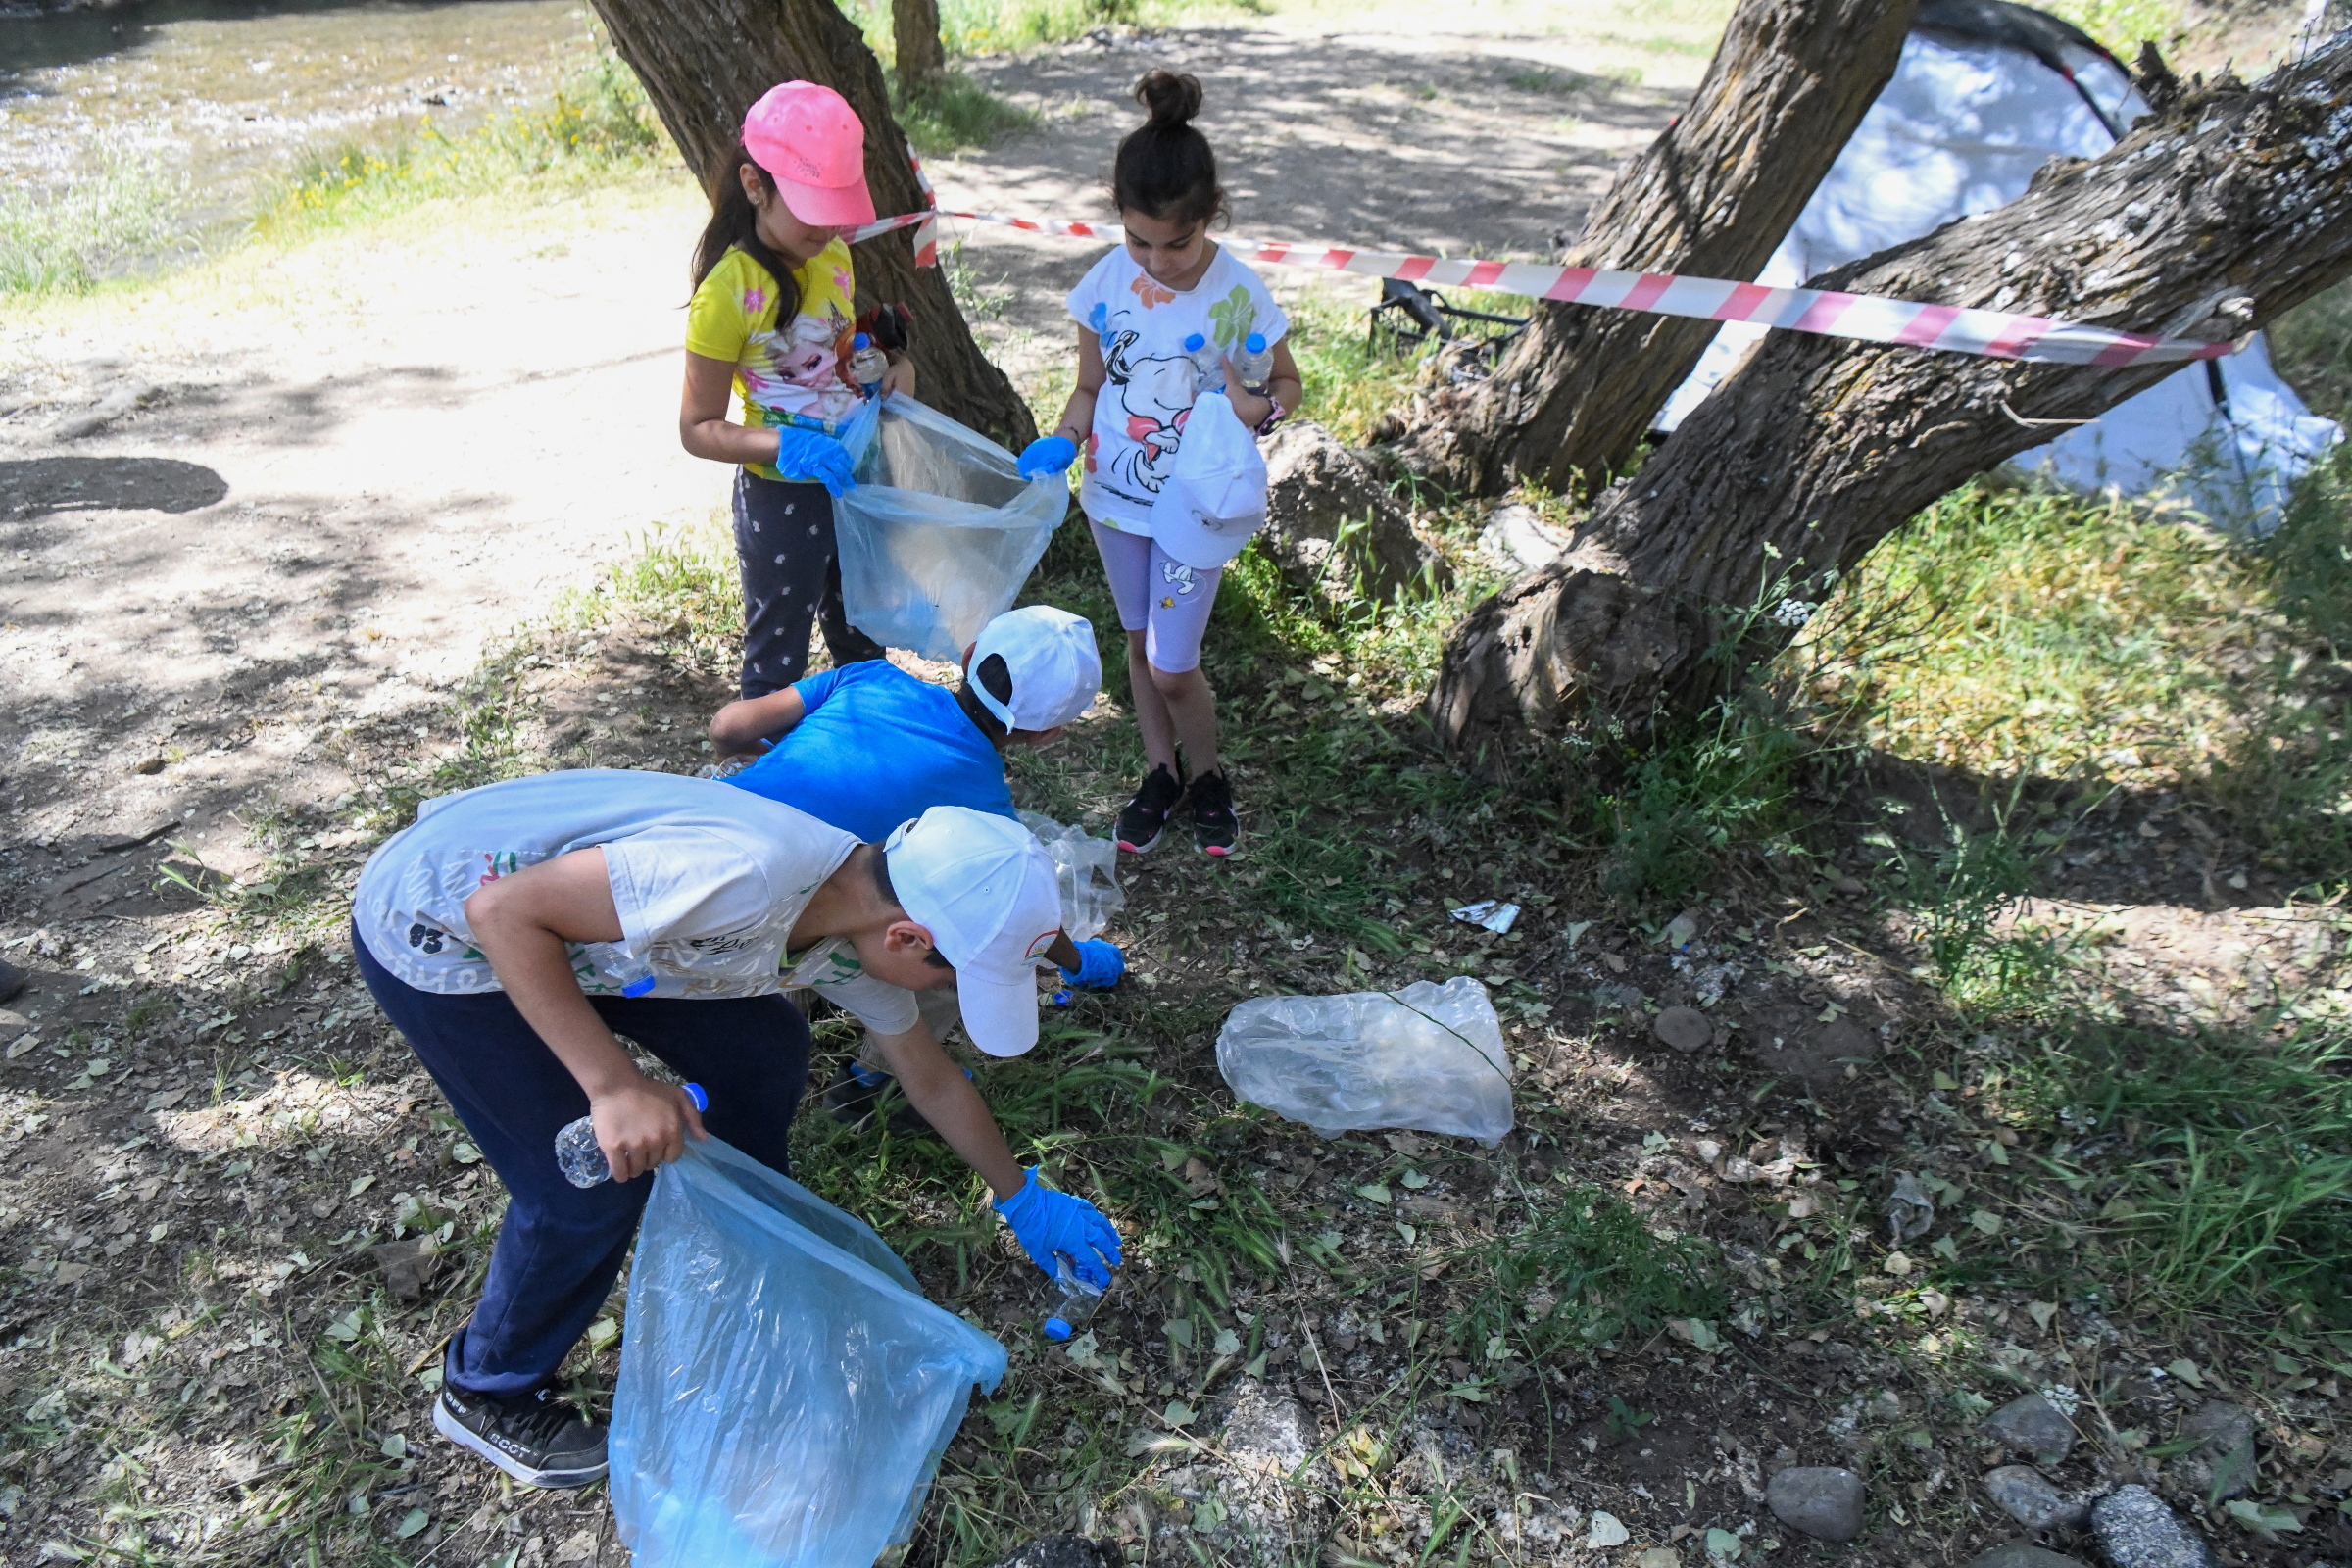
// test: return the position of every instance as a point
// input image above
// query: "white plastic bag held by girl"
(1429, 1057)
(1087, 870)
(785, 1391)
(1215, 495)
(941, 532)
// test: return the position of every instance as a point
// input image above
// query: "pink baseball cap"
(809, 138)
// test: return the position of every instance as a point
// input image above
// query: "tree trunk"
(914, 35)
(706, 62)
(2207, 222)
(1711, 197)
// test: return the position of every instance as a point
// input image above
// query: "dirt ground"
(260, 523)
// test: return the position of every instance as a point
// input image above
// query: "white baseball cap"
(987, 892)
(1051, 656)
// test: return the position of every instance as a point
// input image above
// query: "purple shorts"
(1163, 599)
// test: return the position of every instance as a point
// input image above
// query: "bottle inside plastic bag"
(1087, 870)
(785, 1391)
(1429, 1058)
(941, 530)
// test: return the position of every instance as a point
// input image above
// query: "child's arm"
(703, 427)
(750, 724)
(1283, 387)
(1078, 415)
(946, 1099)
(520, 923)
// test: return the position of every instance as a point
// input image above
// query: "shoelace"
(538, 1420)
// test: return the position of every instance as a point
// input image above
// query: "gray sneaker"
(535, 1438)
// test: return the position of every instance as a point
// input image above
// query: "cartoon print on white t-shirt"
(1154, 398)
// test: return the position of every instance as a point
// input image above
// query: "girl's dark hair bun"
(1170, 98)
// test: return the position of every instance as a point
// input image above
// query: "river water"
(222, 94)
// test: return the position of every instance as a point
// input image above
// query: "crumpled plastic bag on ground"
(785, 1391)
(1088, 869)
(1429, 1058)
(941, 532)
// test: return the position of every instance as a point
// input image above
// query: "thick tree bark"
(2207, 222)
(1711, 197)
(914, 35)
(704, 62)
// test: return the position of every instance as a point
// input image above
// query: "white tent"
(1985, 93)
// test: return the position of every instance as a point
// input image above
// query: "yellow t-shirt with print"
(796, 369)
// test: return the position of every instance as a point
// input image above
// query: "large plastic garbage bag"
(941, 532)
(1429, 1057)
(785, 1391)
(1088, 869)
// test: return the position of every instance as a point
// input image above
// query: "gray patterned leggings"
(791, 575)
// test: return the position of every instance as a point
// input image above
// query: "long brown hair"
(735, 225)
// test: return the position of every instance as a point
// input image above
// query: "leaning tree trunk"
(704, 62)
(2211, 218)
(922, 59)
(1711, 197)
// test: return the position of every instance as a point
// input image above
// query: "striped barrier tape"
(1865, 318)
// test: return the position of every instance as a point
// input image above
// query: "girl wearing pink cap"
(772, 316)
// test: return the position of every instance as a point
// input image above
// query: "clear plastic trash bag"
(785, 1391)
(941, 532)
(1429, 1058)
(1088, 869)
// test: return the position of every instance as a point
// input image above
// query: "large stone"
(2223, 1459)
(2135, 1530)
(2018, 1555)
(1331, 523)
(2032, 1424)
(2027, 1495)
(1825, 1502)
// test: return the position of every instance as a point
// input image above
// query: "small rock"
(409, 1268)
(2224, 1457)
(1056, 1551)
(1825, 1502)
(1851, 887)
(2032, 1424)
(1686, 1029)
(1606, 1529)
(2027, 1495)
(2018, 1554)
(2136, 1530)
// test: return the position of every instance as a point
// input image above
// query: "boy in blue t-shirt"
(866, 747)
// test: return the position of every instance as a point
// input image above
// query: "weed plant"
(121, 210)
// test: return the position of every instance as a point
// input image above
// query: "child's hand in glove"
(1048, 454)
(1050, 1224)
(1101, 964)
(816, 456)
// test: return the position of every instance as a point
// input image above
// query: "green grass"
(955, 113)
(2312, 347)
(120, 212)
(599, 126)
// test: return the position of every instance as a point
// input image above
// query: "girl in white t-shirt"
(1135, 310)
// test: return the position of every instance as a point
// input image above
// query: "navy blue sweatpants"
(562, 1246)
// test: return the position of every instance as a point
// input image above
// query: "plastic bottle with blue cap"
(1208, 363)
(1255, 363)
(867, 365)
(1077, 1302)
(582, 1158)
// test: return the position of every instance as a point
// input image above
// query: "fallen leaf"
(1606, 1529)
(465, 1155)
(1897, 1265)
(1659, 1557)
(1723, 1546)
(1804, 1206)
(602, 1331)
(1934, 1302)
(1198, 1176)
(1945, 1248)
(579, 1549)
(415, 1522)
(1177, 1414)
(394, 1446)
(2267, 1523)
(1986, 1221)
(2186, 1371)
(1405, 1144)
(2042, 1313)
(1228, 1342)
(360, 1184)
(1374, 1192)
(1413, 1181)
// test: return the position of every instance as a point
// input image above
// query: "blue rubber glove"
(1050, 1224)
(1099, 966)
(812, 455)
(1048, 454)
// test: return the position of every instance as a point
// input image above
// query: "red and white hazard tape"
(1866, 318)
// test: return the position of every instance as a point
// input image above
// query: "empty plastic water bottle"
(1208, 363)
(867, 364)
(1077, 1304)
(1255, 363)
(582, 1158)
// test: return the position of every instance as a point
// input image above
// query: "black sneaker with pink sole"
(1215, 827)
(1147, 816)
